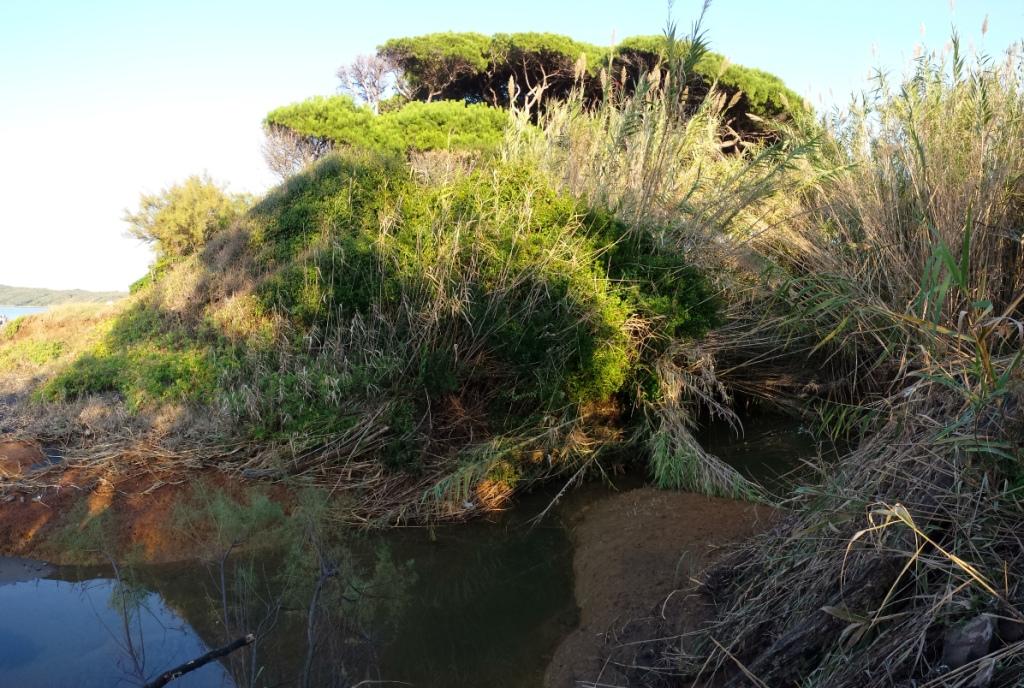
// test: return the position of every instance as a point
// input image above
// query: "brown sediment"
(142, 510)
(633, 552)
(16, 457)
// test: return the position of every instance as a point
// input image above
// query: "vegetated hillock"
(30, 296)
(428, 331)
(458, 333)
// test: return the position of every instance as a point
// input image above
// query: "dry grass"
(895, 302)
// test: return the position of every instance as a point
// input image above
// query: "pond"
(483, 603)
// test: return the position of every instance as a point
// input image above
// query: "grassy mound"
(455, 334)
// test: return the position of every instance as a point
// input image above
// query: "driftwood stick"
(179, 671)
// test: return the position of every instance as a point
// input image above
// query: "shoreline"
(634, 553)
(21, 570)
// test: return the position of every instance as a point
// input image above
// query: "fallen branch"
(179, 671)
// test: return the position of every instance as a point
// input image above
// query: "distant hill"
(27, 296)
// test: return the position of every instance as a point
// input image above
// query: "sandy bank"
(631, 552)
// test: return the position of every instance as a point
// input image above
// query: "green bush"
(474, 68)
(415, 126)
(765, 95)
(492, 286)
(29, 351)
(529, 291)
(183, 217)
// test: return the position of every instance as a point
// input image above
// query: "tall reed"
(901, 279)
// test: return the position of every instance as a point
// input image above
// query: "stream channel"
(483, 603)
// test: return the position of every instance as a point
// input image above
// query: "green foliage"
(528, 288)
(146, 360)
(437, 59)
(11, 328)
(29, 351)
(183, 217)
(474, 68)
(660, 283)
(764, 94)
(414, 126)
(141, 375)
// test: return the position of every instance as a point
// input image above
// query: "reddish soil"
(633, 552)
(143, 511)
(17, 457)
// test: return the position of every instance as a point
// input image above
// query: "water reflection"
(56, 633)
(768, 448)
(477, 604)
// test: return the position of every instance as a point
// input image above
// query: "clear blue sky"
(103, 99)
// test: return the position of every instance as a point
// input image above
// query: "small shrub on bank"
(182, 218)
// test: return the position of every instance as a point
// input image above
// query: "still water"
(478, 604)
(12, 312)
(56, 633)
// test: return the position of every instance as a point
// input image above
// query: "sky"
(101, 100)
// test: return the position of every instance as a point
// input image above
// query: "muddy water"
(479, 604)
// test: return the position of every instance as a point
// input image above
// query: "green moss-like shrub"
(415, 126)
(474, 68)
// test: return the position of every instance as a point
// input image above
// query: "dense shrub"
(483, 309)
(764, 94)
(474, 68)
(413, 127)
(183, 217)
(490, 276)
